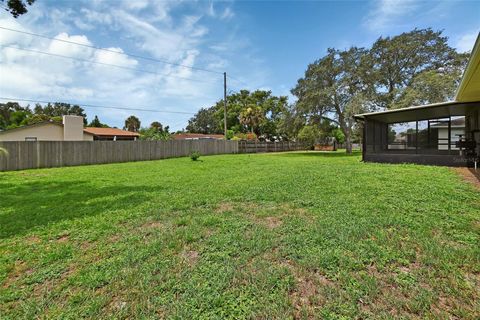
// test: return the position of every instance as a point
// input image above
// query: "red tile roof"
(110, 132)
(183, 136)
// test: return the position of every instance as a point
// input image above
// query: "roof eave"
(469, 71)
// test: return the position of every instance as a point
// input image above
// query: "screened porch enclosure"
(441, 134)
(434, 136)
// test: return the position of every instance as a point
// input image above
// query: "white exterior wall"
(72, 128)
(42, 132)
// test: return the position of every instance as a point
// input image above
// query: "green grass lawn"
(293, 235)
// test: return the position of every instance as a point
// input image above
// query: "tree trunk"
(347, 132)
(348, 142)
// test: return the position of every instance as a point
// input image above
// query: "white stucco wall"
(73, 128)
(42, 132)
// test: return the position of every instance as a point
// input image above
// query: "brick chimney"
(72, 128)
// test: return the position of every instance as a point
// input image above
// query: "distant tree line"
(13, 115)
(413, 68)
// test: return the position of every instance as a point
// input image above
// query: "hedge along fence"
(263, 146)
(47, 154)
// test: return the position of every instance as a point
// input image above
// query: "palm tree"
(132, 124)
(156, 125)
(251, 117)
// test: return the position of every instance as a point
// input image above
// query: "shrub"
(230, 134)
(194, 155)
(251, 136)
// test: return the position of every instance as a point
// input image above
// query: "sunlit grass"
(305, 235)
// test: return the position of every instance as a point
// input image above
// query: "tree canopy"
(96, 123)
(132, 124)
(413, 68)
(258, 110)
(402, 61)
(156, 131)
(335, 87)
(13, 115)
(17, 7)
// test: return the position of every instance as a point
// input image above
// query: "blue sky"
(263, 44)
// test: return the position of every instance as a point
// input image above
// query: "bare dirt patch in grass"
(273, 222)
(271, 216)
(308, 296)
(33, 240)
(190, 256)
(152, 225)
(116, 304)
(395, 299)
(19, 269)
(63, 238)
(224, 207)
(389, 296)
(469, 175)
(50, 285)
(114, 238)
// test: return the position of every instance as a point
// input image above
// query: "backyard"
(291, 235)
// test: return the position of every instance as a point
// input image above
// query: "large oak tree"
(335, 87)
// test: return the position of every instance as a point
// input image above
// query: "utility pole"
(225, 103)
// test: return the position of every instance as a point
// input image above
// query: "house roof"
(110, 132)
(181, 136)
(469, 88)
(467, 92)
(428, 111)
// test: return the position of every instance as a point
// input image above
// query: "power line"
(238, 80)
(104, 64)
(113, 51)
(97, 106)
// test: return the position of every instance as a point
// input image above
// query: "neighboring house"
(457, 131)
(71, 129)
(112, 134)
(429, 134)
(197, 136)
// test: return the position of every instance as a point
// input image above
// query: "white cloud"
(70, 49)
(110, 57)
(227, 14)
(465, 42)
(8, 37)
(385, 13)
(146, 28)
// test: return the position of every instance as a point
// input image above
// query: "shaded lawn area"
(293, 235)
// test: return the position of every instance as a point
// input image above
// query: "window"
(30, 138)
(426, 136)
(402, 136)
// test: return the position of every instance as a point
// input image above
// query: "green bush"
(194, 155)
(230, 134)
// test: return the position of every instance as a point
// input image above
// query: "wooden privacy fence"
(47, 154)
(263, 146)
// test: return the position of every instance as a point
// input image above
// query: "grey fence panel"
(262, 146)
(47, 154)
